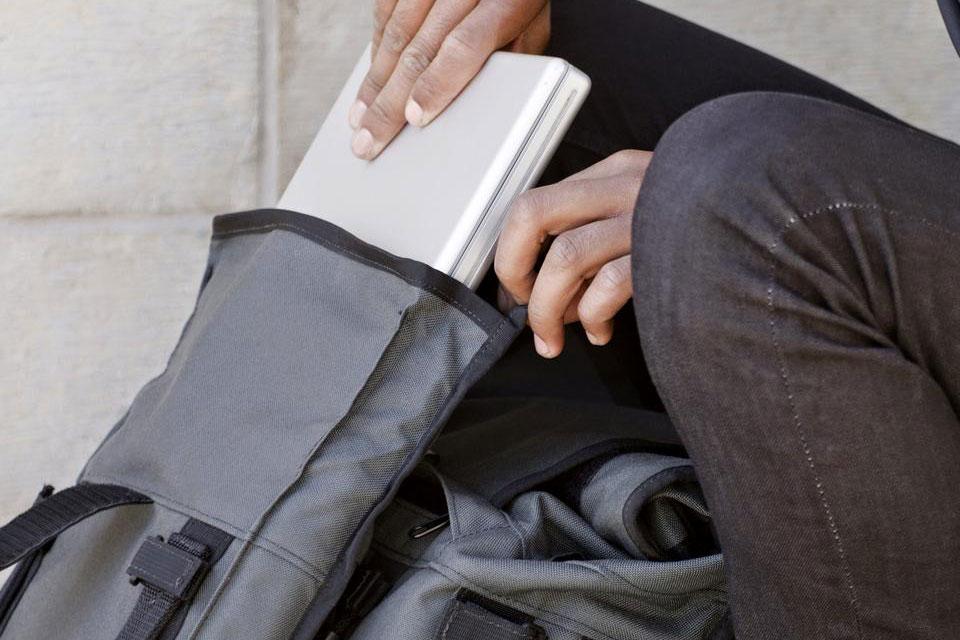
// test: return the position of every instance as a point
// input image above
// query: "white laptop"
(440, 194)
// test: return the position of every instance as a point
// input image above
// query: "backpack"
(286, 478)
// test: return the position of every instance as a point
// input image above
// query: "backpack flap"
(312, 376)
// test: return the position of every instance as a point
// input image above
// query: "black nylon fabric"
(47, 519)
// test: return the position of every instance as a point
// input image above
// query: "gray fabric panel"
(414, 611)
(263, 600)
(599, 597)
(284, 337)
(507, 556)
(362, 455)
(301, 384)
(82, 590)
(612, 499)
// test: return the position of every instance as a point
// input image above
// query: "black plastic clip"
(168, 568)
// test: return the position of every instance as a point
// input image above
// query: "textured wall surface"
(125, 125)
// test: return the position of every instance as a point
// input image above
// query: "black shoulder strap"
(33, 529)
(473, 617)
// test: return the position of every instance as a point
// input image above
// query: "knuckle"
(381, 13)
(589, 311)
(504, 270)
(613, 277)
(373, 85)
(463, 42)
(567, 251)
(630, 159)
(415, 59)
(537, 316)
(624, 158)
(426, 89)
(395, 38)
(526, 210)
(377, 115)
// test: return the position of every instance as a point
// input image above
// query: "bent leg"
(796, 271)
(648, 68)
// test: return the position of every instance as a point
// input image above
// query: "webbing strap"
(47, 519)
(473, 617)
(171, 572)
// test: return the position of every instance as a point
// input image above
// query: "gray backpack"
(285, 478)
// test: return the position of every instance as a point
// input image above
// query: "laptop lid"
(425, 196)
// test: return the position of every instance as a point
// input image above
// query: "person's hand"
(426, 51)
(585, 275)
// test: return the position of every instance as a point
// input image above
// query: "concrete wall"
(125, 125)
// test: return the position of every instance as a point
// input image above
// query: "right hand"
(565, 251)
(426, 51)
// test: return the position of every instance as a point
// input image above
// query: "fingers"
(548, 211)
(399, 27)
(382, 10)
(492, 25)
(609, 291)
(537, 35)
(384, 118)
(626, 162)
(574, 257)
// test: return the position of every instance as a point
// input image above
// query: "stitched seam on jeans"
(832, 525)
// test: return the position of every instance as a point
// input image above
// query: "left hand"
(426, 51)
(585, 275)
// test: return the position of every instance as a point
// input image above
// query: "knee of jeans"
(717, 193)
(761, 149)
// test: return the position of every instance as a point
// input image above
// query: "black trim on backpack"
(474, 617)
(336, 239)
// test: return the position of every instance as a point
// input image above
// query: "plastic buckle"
(172, 570)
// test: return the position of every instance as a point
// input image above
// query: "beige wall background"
(124, 126)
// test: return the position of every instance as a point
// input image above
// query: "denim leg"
(797, 292)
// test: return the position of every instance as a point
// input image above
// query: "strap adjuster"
(169, 568)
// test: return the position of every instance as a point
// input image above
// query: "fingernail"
(362, 143)
(542, 347)
(595, 340)
(356, 114)
(414, 113)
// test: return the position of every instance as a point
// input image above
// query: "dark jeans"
(797, 294)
